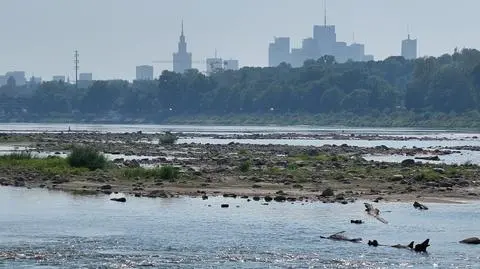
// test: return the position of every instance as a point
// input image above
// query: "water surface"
(92, 232)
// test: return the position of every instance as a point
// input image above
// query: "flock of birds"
(375, 212)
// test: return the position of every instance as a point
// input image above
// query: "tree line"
(448, 84)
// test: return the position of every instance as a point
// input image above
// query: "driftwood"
(417, 248)
(422, 247)
(471, 241)
(340, 237)
(419, 206)
(374, 212)
(409, 246)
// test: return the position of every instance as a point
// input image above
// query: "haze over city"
(114, 36)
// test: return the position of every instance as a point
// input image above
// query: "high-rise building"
(18, 76)
(214, 65)
(182, 60)
(279, 51)
(326, 38)
(310, 48)
(356, 52)
(3, 81)
(144, 72)
(230, 64)
(297, 58)
(409, 48)
(85, 76)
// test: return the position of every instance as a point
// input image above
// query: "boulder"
(328, 192)
(408, 162)
(397, 177)
(224, 205)
(280, 198)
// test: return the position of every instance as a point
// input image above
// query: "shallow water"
(92, 232)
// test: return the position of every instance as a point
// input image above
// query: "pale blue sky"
(113, 36)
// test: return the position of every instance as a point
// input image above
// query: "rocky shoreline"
(260, 172)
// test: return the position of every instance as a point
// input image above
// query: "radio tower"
(325, 13)
(76, 62)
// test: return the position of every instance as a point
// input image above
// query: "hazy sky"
(113, 36)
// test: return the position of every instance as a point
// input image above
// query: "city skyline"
(117, 36)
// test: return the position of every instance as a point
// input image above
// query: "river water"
(45, 229)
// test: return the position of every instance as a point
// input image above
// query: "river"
(45, 229)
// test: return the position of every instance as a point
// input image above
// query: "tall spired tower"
(182, 60)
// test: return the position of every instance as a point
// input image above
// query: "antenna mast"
(77, 67)
(325, 13)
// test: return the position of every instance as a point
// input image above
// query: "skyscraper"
(279, 51)
(409, 48)
(182, 60)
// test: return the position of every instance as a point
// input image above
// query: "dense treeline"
(447, 84)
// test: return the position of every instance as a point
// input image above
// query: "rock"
(419, 206)
(224, 205)
(357, 221)
(244, 197)
(446, 184)
(471, 241)
(280, 198)
(268, 199)
(106, 187)
(439, 170)
(121, 199)
(230, 195)
(204, 197)
(328, 192)
(397, 177)
(429, 158)
(256, 198)
(158, 194)
(408, 162)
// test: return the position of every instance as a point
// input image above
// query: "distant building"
(34, 81)
(85, 76)
(182, 60)
(368, 58)
(326, 38)
(279, 51)
(409, 48)
(3, 81)
(85, 80)
(214, 65)
(310, 49)
(18, 76)
(59, 78)
(230, 65)
(144, 72)
(297, 58)
(356, 52)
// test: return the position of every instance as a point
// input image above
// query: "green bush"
(245, 166)
(87, 157)
(167, 139)
(164, 172)
(168, 172)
